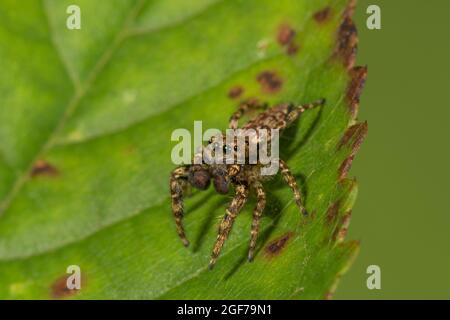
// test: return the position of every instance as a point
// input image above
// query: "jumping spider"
(243, 177)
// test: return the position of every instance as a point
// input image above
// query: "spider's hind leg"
(257, 213)
(290, 180)
(298, 110)
(227, 222)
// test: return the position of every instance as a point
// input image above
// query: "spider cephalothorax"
(243, 176)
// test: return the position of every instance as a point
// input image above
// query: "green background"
(402, 212)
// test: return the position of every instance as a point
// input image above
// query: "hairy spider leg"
(257, 213)
(178, 180)
(290, 180)
(294, 114)
(243, 108)
(227, 222)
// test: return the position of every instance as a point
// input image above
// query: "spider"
(243, 177)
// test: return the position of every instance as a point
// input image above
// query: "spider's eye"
(210, 140)
(226, 148)
(235, 147)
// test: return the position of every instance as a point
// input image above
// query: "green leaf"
(85, 123)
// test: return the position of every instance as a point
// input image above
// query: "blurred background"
(402, 214)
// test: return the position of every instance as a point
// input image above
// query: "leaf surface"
(85, 123)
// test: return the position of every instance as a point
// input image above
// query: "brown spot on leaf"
(350, 9)
(43, 168)
(353, 138)
(285, 34)
(285, 38)
(322, 15)
(253, 102)
(345, 166)
(292, 49)
(235, 92)
(332, 212)
(59, 289)
(342, 229)
(347, 39)
(358, 79)
(270, 81)
(328, 295)
(275, 247)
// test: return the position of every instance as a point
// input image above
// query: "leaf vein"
(71, 107)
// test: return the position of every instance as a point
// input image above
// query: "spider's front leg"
(257, 213)
(196, 175)
(227, 222)
(178, 180)
(243, 108)
(290, 180)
